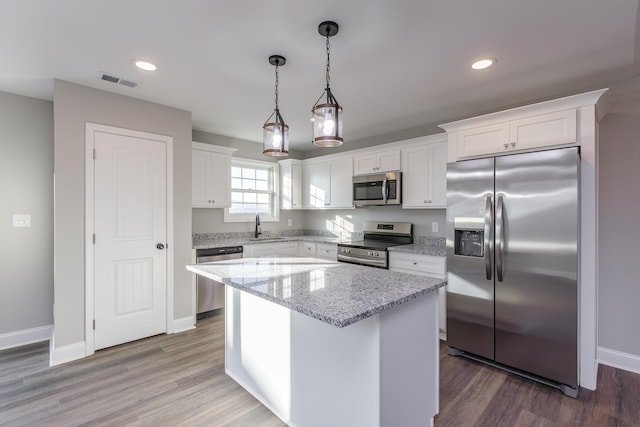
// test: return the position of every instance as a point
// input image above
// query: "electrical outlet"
(434, 227)
(21, 220)
(289, 222)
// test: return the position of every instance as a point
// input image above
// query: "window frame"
(274, 172)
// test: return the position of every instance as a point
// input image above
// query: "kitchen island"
(326, 343)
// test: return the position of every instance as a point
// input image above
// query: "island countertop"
(333, 292)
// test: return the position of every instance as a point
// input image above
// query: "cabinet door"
(425, 176)
(210, 179)
(317, 185)
(291, 184)
(415, 177)
(199, 178)
(364, 164)
(219, 180)
(438, 175)
(383, 161)
(490, 139)
(543, 130)
(341, 184)
(389, 161)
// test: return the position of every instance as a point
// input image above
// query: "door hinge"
(94, 324)
(94, 154)
(94, 238)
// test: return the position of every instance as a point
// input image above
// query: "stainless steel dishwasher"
(211, 293)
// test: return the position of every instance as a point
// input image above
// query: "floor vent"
(117, 80)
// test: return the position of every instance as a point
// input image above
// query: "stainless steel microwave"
(380, 189)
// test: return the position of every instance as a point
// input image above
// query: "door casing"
(90, 130)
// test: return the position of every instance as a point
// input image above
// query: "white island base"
(379, 371)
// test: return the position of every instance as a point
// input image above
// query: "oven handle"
(376, 262)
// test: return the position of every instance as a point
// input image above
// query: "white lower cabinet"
(262, 250)
(327, 251)
(424, 265)
(307, 249)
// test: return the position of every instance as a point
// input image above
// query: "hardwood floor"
(473, 394)
(171, 380)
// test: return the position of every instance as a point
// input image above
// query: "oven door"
(377, 190)
(371, 257)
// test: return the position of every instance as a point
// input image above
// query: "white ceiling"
(395, 64)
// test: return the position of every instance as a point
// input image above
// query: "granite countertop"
(421, 249)
(333, 292)
(240, 241)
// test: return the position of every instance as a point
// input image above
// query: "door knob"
(160, 246)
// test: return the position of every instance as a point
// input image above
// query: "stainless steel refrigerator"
(512, 257)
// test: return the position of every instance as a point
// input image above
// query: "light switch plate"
(434, 227)
(21, 220)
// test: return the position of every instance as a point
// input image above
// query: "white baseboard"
(26, 336)
(618, 359)
(181, 325)
(66, 353)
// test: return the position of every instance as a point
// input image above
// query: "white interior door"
(130, 200)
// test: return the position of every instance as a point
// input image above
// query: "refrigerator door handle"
(500, 242)
(488, 226)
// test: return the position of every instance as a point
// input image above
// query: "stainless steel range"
(378, 236)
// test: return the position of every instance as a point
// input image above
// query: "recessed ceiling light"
(144, 65)
(483, 63)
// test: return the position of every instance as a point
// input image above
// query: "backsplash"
(430, 241)
(199, 238)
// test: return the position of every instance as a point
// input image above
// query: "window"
(253, 191)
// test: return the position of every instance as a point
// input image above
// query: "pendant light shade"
(275, 134)
(327, 113)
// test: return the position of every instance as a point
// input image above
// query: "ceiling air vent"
(117, 80)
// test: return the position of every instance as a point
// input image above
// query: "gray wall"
(73, 107)
(619, 233)
(26, 186)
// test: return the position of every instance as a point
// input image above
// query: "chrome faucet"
(258, 231)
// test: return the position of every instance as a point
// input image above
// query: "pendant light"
(327, 116)
(275, 135)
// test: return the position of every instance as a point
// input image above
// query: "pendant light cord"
(328, 59)
(277, 82)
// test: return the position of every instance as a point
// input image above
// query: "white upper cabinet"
(291, 184)
(557, 128)
(535, 127)
(424, 176)
(328, 184)
(382, 161)
(528, 133)
(210, 176)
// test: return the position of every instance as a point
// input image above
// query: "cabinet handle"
(506, 146)
(513, 144)
(415, 263)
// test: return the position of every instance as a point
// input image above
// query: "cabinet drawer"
(327, 251)
(425, 264)
(306, 249)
